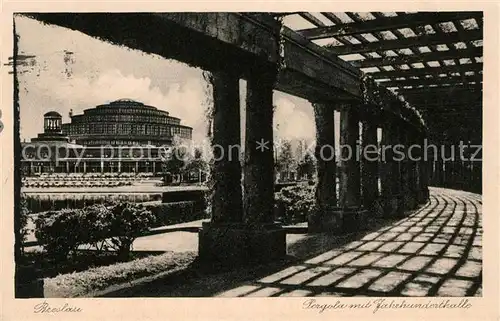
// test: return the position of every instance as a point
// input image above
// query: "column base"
(338, 220)
(375, 208)
(227, 244)
(410, 200)
(394, 206)
(422, 196)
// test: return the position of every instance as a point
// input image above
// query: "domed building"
(104, 139)
(125, 122)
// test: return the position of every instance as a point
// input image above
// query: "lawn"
(88, 273)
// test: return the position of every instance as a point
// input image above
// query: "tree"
(196, 164)
(174, 159)
(306, 166)
(284, 160)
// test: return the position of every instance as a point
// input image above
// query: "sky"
(74, 71)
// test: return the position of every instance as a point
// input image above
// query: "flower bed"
(87, 283)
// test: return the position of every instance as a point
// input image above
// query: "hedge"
(104, 227)
(175, 213)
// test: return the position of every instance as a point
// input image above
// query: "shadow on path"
(435, 251)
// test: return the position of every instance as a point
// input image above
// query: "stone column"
(258, 171)
(412, 163)
(439, 170)
(423, 179)
(136, 167)
(84, 167)
(386, 165)
(391, 182)
(467, 162)
(259, 158)
(235, 235)
(370, 159)
(67, 167)
(227, 192)
(353, 214)
(327, 217)
(406, 167)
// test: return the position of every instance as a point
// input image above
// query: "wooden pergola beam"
(461, 105)
(430, 81)
(446, 102)
(383, 24)
(423, 57)
(442, 89)
(312, 19)
(426, 71)
(283, 14)
(425, 40)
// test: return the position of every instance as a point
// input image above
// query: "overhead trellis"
(412, 54)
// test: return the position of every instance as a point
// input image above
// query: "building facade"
(122, 136)
(125, 122)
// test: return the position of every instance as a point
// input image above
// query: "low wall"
(41, 202)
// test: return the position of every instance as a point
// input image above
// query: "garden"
(80, 251)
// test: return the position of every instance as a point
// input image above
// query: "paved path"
(435, 251)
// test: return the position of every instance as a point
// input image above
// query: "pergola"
(433, 59)
(352, 63)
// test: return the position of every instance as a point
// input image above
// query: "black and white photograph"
(249, 154)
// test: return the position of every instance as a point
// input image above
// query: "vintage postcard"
(249, 160)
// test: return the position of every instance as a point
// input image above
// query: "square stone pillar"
(217, 240)
(391, 180)
(240, 234)
(353, 213)
(438, 169)
(423, 172)
(370, 165)
(266, 239)
(407, 168)
(412, 155)
(327, 217)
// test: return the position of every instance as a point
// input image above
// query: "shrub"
(105, 227)
(294, 204)
(23, 220)
(127, 222)
(60, 232)
(174, 213)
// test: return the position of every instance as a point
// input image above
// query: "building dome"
(125, 122)
(52, 114)
(126, 100)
